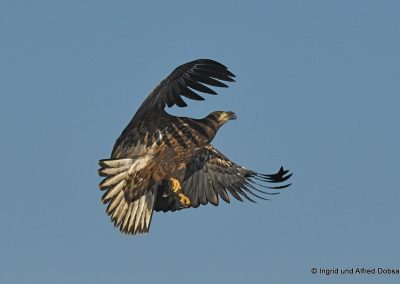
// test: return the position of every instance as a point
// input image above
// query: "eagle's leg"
(175, 186)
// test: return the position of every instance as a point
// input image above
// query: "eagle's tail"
(131, 217)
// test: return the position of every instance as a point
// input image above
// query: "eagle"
(162, 162)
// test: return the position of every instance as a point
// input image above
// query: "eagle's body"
(165, 163)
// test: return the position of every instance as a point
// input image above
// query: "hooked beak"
(231, 115)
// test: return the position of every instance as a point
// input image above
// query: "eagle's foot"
(175, 185)
(185, 201)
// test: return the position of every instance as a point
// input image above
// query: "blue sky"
(317, 91)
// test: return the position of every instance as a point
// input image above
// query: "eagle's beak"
(231, 115)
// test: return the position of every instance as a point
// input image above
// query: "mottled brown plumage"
(157, 147)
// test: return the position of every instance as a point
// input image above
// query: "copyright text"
(356, 271)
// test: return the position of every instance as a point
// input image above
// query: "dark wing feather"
(210, 176)
(185, 80)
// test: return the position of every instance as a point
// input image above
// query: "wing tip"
(197, 75)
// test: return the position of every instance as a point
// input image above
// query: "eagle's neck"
(210, 125)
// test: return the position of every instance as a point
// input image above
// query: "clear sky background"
(317, 91)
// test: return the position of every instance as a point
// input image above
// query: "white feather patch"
(127, 217)
(142, 201)
(132, 217)
(113, 191)
(113, 180)
(115, 163)
(113, 171)
(122, 212)
(115, 202)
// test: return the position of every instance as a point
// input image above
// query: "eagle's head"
(222, 117)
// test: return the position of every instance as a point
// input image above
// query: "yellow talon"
(175, 185)
(185, 201)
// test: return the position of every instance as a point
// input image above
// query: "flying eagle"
(166, 163)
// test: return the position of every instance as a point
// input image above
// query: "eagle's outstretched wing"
(186, 78)
(144, 126)
(210, 176)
